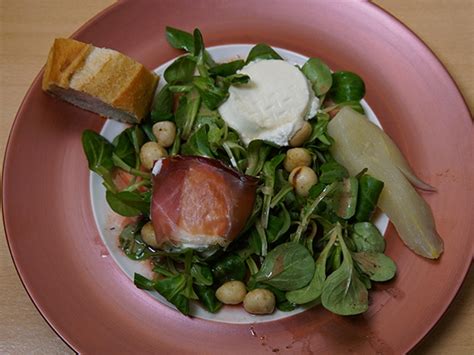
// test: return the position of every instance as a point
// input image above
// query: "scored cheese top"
(273, 105)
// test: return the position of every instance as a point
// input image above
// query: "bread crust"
(65, 57)
(117, 80)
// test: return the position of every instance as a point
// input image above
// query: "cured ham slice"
(199, 202)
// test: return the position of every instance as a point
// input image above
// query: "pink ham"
(199, 202)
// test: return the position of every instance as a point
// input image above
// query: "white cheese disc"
(273, 105)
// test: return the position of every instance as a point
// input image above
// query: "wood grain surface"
(27, 30)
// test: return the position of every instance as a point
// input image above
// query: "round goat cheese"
(273, 105)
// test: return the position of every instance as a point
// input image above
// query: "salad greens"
(322, 247)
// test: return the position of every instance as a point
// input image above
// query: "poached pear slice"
(361, 144)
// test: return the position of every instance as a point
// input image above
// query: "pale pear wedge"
(361, 144)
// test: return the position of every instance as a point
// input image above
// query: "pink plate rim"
(6, 218)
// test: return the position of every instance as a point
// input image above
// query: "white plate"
(109, 224)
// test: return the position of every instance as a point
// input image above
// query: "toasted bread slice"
(99, 80)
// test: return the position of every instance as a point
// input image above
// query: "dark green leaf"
(163, 270)
(148, 130)
(180, 39)
(124, 148)
(171, 289)
(226, 69)
(163, 105)
(262, 51)
(98, 151)
(319, 192)
(367, 237)
(132, 243)
(378, 266)
(212, 96)
(188, 108)
(346, 86)
(230, 267)
(208, 298)
(269, 181)
(181, 88)
(331, 172)
(257, 207)
(257, 152)
(285, 189)
(176, 147)
(314, 289)
(278, 225)
(198, 42)
(137, 137)
(255, 241)
(335, 259)
(343, 292)
(124, 166)
(142, 282)
(369, 192)
(287, 267)
(202, 275)
(286, 306)
(319, 74)
(216, 127)
(198, 144)
(237, 79)
(344, 197)
(181, 71)
(319, 128)
(127, 203)
(364, 278)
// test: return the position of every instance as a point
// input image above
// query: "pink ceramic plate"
(93, 305)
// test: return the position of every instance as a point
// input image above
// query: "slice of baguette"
(99, 80)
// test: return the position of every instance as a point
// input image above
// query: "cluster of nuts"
(257, 301)
(165, 133)
(298, 161)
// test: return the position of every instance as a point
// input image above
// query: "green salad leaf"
(262, 51)
(332, 172)
(208, 298)
(181, 71)
(378, 266)
(99, 153)
(163, 105)
(212, 96)
(289, 266)
(127, 203)
(367, 238)
(369, 191)
(269, 182)
(198, 144)
(132, 243)
(314, 289)
(319, 74)
(180, 39)
(230, 267)
(171, 288)
(343, 293)
(227, 69)
(186, 112)
(142, 282)
(346, 86)
(202, 274)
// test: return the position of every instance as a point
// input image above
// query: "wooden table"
(27, 30)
